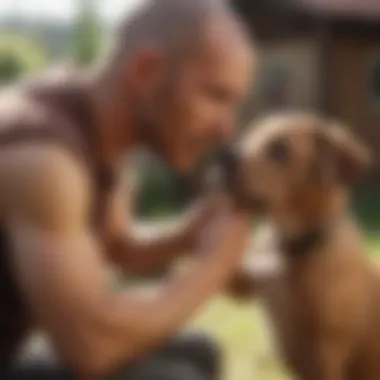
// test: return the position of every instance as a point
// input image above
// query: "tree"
(19, 56)
(87, 33)
(160, 190)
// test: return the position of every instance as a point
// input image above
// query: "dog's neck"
(304, 229)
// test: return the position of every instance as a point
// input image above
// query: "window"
(375, 81)
(276, 86)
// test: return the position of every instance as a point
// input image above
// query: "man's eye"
(279, 151)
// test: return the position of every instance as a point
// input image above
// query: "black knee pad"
(168, 370)
(199, 348)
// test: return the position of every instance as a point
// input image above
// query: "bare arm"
(59, 267)
(152, 251)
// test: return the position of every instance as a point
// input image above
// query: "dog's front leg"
(331, 359)
(242, 286)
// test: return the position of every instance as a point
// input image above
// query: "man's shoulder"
(42, 179)
(27, 123)
(24, 125)
(19, 105)
(39, 163)
(19, 110)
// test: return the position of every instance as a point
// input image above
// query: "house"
(321, 55)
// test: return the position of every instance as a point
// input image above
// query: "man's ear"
(341, 156)
(145, 70)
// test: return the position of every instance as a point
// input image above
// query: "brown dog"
(325, 303)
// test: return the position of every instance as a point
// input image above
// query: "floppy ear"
(341, 156)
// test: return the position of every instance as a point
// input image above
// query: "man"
(172, 83)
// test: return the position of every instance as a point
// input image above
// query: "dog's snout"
(230, 161)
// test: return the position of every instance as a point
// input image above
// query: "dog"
(324, 302)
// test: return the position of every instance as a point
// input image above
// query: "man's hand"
(148, 253)
(200, 220)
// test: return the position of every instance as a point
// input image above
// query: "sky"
(62, 10)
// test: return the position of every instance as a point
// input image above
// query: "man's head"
(186, 65)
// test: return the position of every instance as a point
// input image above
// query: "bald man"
(171, 83)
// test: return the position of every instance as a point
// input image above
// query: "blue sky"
(62, 10)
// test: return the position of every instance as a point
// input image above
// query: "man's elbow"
(106, 353)
(102, 362)
(139, 266)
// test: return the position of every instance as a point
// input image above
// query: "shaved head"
(186, 66)
(177, 26)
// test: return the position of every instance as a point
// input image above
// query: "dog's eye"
(279, 151)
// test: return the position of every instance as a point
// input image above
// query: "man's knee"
(163, 369)
(188, 356)
(199, 348)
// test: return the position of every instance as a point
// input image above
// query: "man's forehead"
(221, 30)
(227, 63)
(218, 47)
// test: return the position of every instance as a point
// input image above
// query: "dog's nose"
(222, 170)
(229, 160)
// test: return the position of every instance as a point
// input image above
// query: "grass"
(244, 335)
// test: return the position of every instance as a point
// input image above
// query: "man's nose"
(224, 129)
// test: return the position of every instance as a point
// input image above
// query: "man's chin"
(183, 167)
(178, 163)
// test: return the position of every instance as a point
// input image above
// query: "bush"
(366, 206)
(18, 57)
(160, 192)
(87, 33)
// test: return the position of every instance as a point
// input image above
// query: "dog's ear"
(341, 157)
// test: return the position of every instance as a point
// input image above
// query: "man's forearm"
(144, 320)
(151, 251)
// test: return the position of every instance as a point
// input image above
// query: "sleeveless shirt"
(71, 126)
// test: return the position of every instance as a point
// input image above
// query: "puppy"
(324, 304)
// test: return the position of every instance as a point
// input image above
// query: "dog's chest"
(320, 296)
(292, 314)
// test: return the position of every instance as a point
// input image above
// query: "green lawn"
(244, 335)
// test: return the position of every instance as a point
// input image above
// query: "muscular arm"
(59, 268)
(152, 251)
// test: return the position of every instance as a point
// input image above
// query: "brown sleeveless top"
(72, 127)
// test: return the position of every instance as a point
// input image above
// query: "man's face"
(194, 104)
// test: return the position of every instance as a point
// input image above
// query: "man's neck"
(113, 117)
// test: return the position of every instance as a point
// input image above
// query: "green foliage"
(367, 208)
(19, 56)
(159, 192)
(87, 33)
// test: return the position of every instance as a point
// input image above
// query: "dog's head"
(288, 161)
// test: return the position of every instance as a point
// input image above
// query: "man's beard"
(150, 137)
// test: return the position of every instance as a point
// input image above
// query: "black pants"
(189, 356)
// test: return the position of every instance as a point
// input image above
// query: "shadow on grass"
(366, 206)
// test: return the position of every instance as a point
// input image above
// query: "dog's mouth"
(258, 203)
(229, 163)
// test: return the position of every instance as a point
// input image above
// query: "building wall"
(355, 88)
(288, 77)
